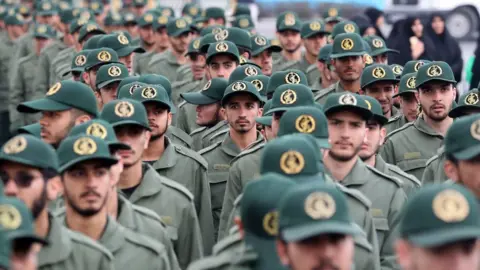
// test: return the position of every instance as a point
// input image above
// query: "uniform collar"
(229, 147)
(168, 158)
(151, 184)
(380, 164)
(171, 58)
(125, 215)
(59, 246)
(395, 112)
(112, 237)
(357, 176)
(423, 127)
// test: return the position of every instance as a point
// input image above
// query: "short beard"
(364, 158)
(340, 158)
(161, 134)
(294, 50)
(85, 212)
(40, 203)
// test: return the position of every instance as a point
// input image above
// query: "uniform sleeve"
(189, 245)
(371, 234)
(163, 262)
(203, 204)
(387, 252)
(42, 74)
(388, 152)
(428, 174)
(53, 74)
(16, 96)
(182, 120)
(163, 238)
(232, 191)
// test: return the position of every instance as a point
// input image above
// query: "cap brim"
(129, 122)
(230, 95)
(23, 161)
(435, 238)
(272, 48)
(333, 19)
(105, 83)
(382, 51)
(106, 159)
(20, 235)
(316, 33)
(42, 36)
(266, 250)
(404, 92)
(435, 79)
(346, 54)
(118, 146)
(381, 80)
(42, 105)
(468, 153)
(365, 113)
(318, 228)
(198, 98)
(180, 32)
(264, 120)
(462, 110)
(130, 49)
(237, 58)
(292, 28)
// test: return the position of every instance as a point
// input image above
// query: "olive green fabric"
(397, 70)
(165, 64)
(211, 92)
(345, 27)
(376, 109)
(279, 78)
(244, 22)
(260, 82)
(377, 73)
(348, 44)
(467, 129)
(339, 102)
(222, 48)
(412, 66)
(407, 84)
(240, 87)
(291, 95)
(312, 28)
(88, 29)
(243, 71)
(120, 43)
(110, 73)
(288, 21)
(410, 183)
(125, 112)
(378, 45)
(102, 129)
(261, 43)
(102, 56)
(156, 94)
(178, 27)
(467, 103)
(434, 71)
(435, 172)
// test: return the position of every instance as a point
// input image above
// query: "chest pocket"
(172, 233)
(413, 166)
(382, 228)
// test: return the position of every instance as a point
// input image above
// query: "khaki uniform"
(22, 89)
(179, 137)
(434, 172)
(60, 64)
(201, 136)
(72, 250)
(7, 51)
(141, 61)
(395, 123)
(410, 183)
(184, 72)
(24, 45)
(282, 63)
(174, 204)
(42, 79)
(186, 117)
(301, 65)
(313, 76)
(387, 199)
(189, 169)
(322, 95)
(411, 146)
(165, 64)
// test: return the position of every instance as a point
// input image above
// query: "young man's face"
(161, 38)
(381, 59)
(465, 172)
(409, 105)
(373, 140)
(40, 43)
(291, 40)
(383, 92)
(90, 77)
(55, 126)
(436, 99)
(264, 60)
(314, 43)
(146, 35)
(349, 68)
(107, 93)
(180, 44)
(347, 132)
(137, 138)
(159, 118)
(197, 65)
(241, 111)
(128, 62)
(221, 66)
(208, 115)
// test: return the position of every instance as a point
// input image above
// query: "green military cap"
(120, 43)
(428, 219)
(153, 93)
(291, 76)
(92, 43)
(25, 148)
(376, 109)
(241, 9)
(212, 29)
(3, 12)
(265, 119)
(96, 7)
(413, 66)
(18, 223)
(205, 42)
(5, 250)
(240, 87)
(377, 73)
(165, 11)
(214, 13)
(125, 112)
(260, 217)
(243, 71)
(237, 36)
(155, 79)
(307, 120)
(101, 129)
(46, 8)
(223, 47)
(467, 104)
(312, 28)
(161, 22)
(324, 54)
(78, 62)
(129, 79)
(44, 31)
(99, 57)
(194, 46)
(349, 44)
(407, 84)
(63, 96)
(367, 47)
(463, 137)
(347, 101)
(76, 24)
(244, 22)
(261, 43)
(129, 18)
(15, 19)
(260, 82)
(287, 96)
(332, 15)
(32, 129)
(397, 70)
(111, 73)
(66, 15)
(191, 9)
(178, 27)
(81, 148)
(113, 19)
(288, 21)
(378, 45)
(434, 71)
(88, 29)
(139, 3)
(147, 19)
(345, 27)
(64, 5)
(307, 211)
(127, 90)
(83, 13)
(24, 10)
(211, 93)
(198, 24)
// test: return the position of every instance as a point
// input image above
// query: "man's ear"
(451, 170)
(169, 118)
(282, 252)
(260, 112)
(223, 113)
(383, 134)
(86, 78)
(148, 135)
(54, 188)
(238, 221)
(82, 119)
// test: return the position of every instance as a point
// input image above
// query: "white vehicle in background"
(462, 16)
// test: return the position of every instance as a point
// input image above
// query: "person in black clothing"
(377, 19)
(412, 43)
(366, 28)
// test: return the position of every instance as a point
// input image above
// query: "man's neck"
(131, 176)
(440, 127)
(155, 149)
(112, 203)
(388, 114)
(92, 226)
(311, 59)
(242, 140)
(160, 49)
(42, 224)
(147, 47)
(351, 86)
(11, 36)
(292, 56)
(339, 169)
(370, 161)
(180, 56)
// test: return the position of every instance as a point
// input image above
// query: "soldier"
(86, 171)
(347, 52)
(121, 44)
(332, 16)
(130, 25)
(215, 16)
(21, 81)
(160, 32)
(143, 186)
(208, 109)
(107, 79)
(95, 59)
(408, 100)
(374, 139)
(435, 236)
(66, 104)
(347, 115)
(260, 82)
(168, 62)
(147, 40)
(379, 49)
(314, 35)
(262, 50)
(468, 104)
(279, 78)
(191, 9)
(241, 104)
(113, 22)
(138, 7)
(346, 27)
(436, 93)
(328, 75)
(266, 121)
(77, 66)
(288, 33)
(413, 66)
(33, 178)
(244, 22)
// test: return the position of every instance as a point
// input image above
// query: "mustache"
(326, 264)
(88, 193)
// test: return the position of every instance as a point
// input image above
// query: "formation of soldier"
(136, 139)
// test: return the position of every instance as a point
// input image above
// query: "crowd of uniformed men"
(137, 139)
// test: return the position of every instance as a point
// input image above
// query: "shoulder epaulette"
(226, 243)
(357, 195)
(182, 135)
(198, 130)
(25, 58)
(396, 181)
(362, 241)
(209, 148)
(220, 133)
(399, 171)
(143, 241)
(147, 213)
(192, 154)
(181, 83)
(85, 241)
(311, 68)
(432, 159)
(182, 103)
(324, 92)
(248, 151)
(394, 118)
(211, 262)
(407, 125)
(238, 200)
(180, 188)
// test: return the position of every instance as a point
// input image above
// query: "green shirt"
(42, 79)
(141, 61)
(395, 123)
(71, 250)
(7, 50)
(411, 146)
(186, 86)
(410, 182)
(165, 64)
(179, 137)
(184, 72)
(283, 64)
(434, 172)
(24, 45)
(186, 117)
(201, 137)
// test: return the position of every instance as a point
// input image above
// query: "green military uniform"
(434, 171)
(386, 205)
(61, 63)
(279, 78)
(344, 45)
(244, 22)
(413, 66)
(120, 43)
(42, 79)
(406, 87)
(398, 148)
(141, 60)
(184, 73)
(324, 57)
(5, 251)
(291, 22)
(244, 71)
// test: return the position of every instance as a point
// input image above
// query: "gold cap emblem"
(292, 162)
(97, 130)
(80, 60)
(347, 99)
(221, 35)
(91, 27)
(15, 145)
(333, 12)
(315, 26)
(250, 71)
(239, 86)
(397, 69)
(471, 99)
(148, 18)
(193, 11)
(418, 65)
(124, 109)
(367, 58)
(289, 19)
(411, 82)
(260, 41)
(167, 12)
(270, 223)
(207, 85)
(349, 28)
(347, 44)
(42, 29)
(123, 39)
(258, 84)
(475, 130)
(54, 89)
(181, 23)
(84, 146)
(320, 205)
(288, 97)
(149, 92)
(434, 71)
(114, 71)
(196, 44)
(377, 43)
(221, 47)
(450, 206)
(104, 56)
(10, 217)
(305, 124)
(46, 6)
(378, 73)
(244, 23)
(292, 78)
(162, 20)
(369, 105)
